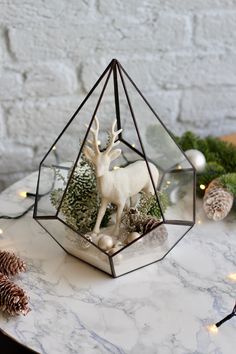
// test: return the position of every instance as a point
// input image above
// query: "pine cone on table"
(217, 201)
(12, 298)
(10, 264)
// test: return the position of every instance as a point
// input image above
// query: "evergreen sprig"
(220, 157)
(81, 202)
(228, 181)
(148, 204)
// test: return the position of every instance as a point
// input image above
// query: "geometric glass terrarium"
(114, 189)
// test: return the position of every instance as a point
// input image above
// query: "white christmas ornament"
(105, 242)
(197, 158)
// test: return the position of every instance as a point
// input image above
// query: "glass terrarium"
(114, 189)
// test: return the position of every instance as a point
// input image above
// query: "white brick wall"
(181, 53)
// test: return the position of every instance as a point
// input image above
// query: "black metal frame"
(115, 68)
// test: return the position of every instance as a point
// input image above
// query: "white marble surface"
(164, 308)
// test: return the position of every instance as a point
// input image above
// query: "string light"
(54, 148)
(99, 142)
(212, 328)
(232, 276)
(199, 221)
(116, 167)
(1, 231)
(168, 182)
(133, 145)
(202, 186)
(179, 167)
(23, 194)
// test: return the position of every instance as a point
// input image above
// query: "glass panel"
(150, 248)
(158, 144)
(61, 157)
(179, 187)
(71, 242)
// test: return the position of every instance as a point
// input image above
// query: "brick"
(216, 30)
(192, 6)
(209, 108)
(143, 10)
(50, 79)
(14, 158)
(171, 71)
(10, 85)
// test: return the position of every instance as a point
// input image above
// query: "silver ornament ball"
(197, 158)
(105, 242)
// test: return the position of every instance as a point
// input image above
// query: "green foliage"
(229, 182)
(220, 157)
(148, 204)
(81, 202)
(214, 150)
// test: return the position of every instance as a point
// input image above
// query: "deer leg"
(100, 215)
(120, 208)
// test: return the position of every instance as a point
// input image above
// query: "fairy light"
(212, 328)
(23, 194)
(168, 182)
(199, 222)
(1, 231)
(116, 167)
(232, 276)
(54, 148)
(133, 145)
(179, 167)
(99, 142)
(202, 186)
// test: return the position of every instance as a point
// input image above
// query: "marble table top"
(164, 308)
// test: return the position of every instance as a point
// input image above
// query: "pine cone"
(10, 264)
(12, 298)
(149, 224)
(217, 201)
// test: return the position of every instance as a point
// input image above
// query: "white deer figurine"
(118, 185)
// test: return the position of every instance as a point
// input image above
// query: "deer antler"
(114, 134)
(94, 131)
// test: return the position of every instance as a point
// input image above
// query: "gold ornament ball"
(105, 242)
(197, 158)
(133, 236)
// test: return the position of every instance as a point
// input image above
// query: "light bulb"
(23, 194)
(202, 186)
(232, 276)
(212, 328)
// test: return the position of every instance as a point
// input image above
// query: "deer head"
(102, 159)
